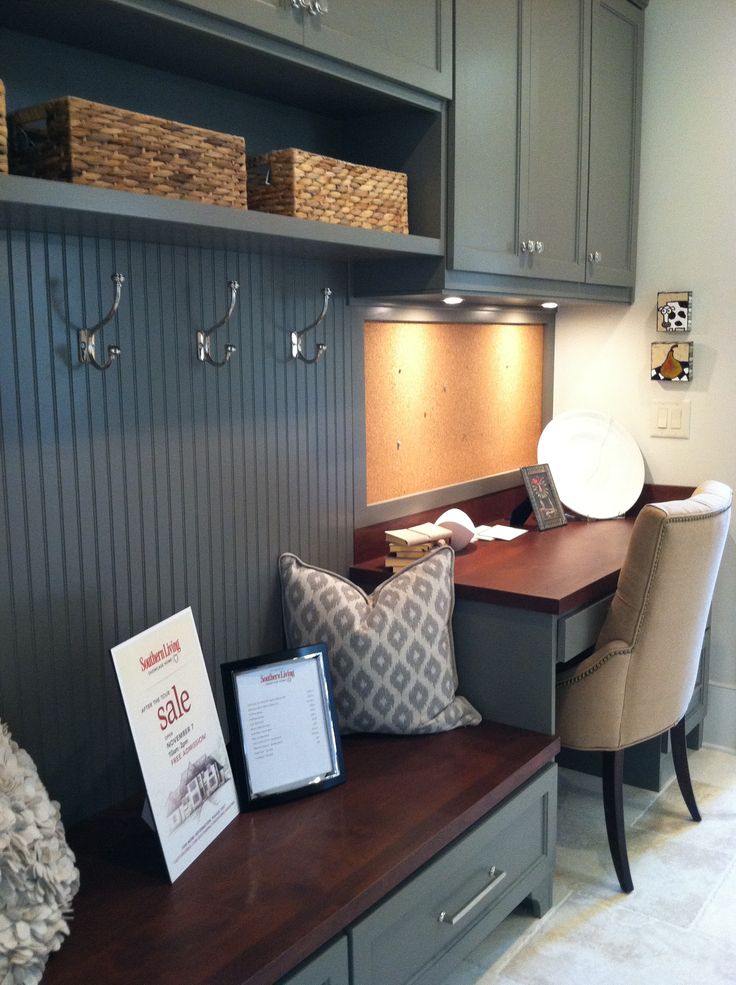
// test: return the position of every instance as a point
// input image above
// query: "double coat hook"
(87, 341)
(297, 338)
(204, 353)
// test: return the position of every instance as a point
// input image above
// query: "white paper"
(178, 737)
(286, 725)
(498, 532)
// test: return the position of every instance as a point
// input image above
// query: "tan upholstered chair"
(639, 681)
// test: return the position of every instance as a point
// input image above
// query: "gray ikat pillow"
(391, 652)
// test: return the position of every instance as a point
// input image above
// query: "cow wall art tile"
(674, 311)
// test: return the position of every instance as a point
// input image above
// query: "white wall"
(687, 241)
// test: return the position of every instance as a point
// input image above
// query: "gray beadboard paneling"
(160, 483)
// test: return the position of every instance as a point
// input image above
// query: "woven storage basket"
(87, 143)
(3, 132)
(311, 186)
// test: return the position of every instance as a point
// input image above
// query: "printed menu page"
(286, 725)
(178, 737)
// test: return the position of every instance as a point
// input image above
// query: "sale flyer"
(178, 738)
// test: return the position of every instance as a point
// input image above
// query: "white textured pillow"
(38, 877)
(391, 652)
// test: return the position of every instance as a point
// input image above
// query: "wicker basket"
(310, 186)
(87, 143)
(3, 132)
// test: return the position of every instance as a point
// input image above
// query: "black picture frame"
(542, 492)
(258, 696)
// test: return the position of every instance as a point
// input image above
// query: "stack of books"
(405, 546)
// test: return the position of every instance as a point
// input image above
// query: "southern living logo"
(168, 653)
(272, 678)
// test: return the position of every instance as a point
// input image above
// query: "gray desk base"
(506, 660)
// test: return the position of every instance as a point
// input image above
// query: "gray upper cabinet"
(519, 147)
(275, 17)
(615, 124)
(408, 41)
(544, 139)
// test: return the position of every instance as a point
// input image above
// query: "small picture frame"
(284, 737)
(672, 362)
(545, 502)
(674, 311)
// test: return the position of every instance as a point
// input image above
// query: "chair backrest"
(660, 609)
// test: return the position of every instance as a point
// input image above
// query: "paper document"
(498, 532)
(284, 725)
(168, 699)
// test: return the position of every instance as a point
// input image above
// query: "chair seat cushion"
(391, 652)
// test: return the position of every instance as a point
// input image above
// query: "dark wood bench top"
(281, 882)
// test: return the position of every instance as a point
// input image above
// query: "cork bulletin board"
(447, 403)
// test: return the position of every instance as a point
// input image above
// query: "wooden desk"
(280, 883)
(523, 606)
(554, 571)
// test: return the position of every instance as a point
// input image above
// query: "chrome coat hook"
(87, 341)
(204, 353)
(297, 351)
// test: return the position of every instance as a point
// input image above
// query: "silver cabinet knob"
(595, 257)
(528, 246)
(540, 246)
(321, 7)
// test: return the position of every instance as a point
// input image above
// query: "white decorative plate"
(596, 464)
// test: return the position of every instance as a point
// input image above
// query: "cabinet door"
(485, 124)
(615, 121)
(276, 17)
(408, 41)
(554, 137)
(519, 138)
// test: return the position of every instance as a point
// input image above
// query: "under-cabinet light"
(549, 304)
(453, 300)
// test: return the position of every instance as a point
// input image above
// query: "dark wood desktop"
(554, 571)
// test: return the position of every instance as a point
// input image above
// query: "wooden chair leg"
(682, 770)
(613, 806)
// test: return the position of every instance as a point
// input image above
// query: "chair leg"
(682, 770)
(613, 806)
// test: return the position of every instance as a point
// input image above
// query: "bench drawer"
(329, 967)
(439, 915)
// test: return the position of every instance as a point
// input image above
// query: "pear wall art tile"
(674, 311)
(672, 362)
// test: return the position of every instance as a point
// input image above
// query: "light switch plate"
(670, 419)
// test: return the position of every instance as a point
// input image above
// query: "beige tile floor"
(678, 927)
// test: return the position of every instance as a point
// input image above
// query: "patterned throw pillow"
(391, 653)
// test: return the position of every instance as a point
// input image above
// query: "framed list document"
(284, 740)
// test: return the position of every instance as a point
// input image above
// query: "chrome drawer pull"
(453, 918)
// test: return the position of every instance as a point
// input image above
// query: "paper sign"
(178, 738)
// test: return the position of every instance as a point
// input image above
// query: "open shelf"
(57, 207)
